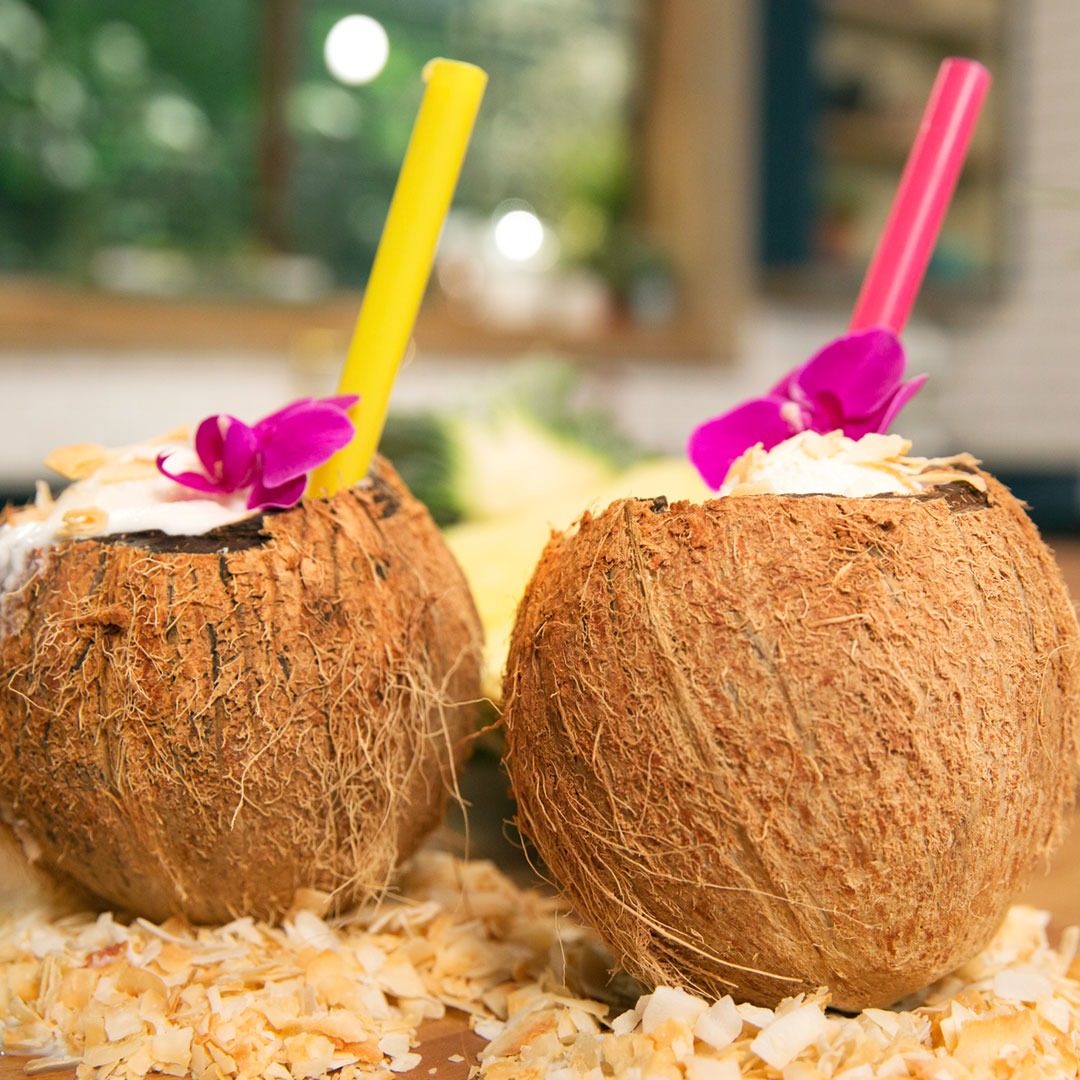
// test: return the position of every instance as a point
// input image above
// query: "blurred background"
(666, 204)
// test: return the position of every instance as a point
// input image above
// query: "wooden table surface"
(1057, 891)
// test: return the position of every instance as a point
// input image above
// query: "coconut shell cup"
(774, 743)
(206, 725)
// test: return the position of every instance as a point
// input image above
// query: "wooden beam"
(698, 145)
(277, 50)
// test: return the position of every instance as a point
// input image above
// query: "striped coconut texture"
(774, 743)
(206, 725)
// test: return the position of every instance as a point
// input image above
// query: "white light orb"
(356, 49)
(519, 235)
(176, 123)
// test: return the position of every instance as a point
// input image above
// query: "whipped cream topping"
(833, 464)
(113, 491)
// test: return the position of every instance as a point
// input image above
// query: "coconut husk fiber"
(207, 725)
(773, 743)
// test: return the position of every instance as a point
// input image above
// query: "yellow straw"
(403, 261)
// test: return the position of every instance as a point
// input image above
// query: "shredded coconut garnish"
(315, 999)
(833, 464)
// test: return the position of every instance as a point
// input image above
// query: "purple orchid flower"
(854, 384)
(274, 457)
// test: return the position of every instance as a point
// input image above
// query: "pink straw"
(926, 188)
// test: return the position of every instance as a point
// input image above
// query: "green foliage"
(138, 125)
(421, 448)
(120, 125)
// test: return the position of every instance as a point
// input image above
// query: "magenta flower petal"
(714, 446)
(856, 375)
(272, 458)
(193, 480)
(283, 495)
(300, 437)
(902, 396)
(854, 385)
(788, 387)
(239, 456)
(227, 449)
(344, 402)
(210, 443)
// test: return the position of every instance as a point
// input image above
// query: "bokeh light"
(356, 49)
(175, 123)
(120, 53)
(519, 235)
(324, 109)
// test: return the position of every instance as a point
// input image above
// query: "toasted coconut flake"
(112, 466)
(78, 461)
(38, 510)
(312, 999)
(788, 1036)
(888, 454)
(82, 522)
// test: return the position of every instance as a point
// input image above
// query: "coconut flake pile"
(310, 999)
(833, 464)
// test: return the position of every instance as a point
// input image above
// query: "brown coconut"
(206, 725)
(773, 743)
